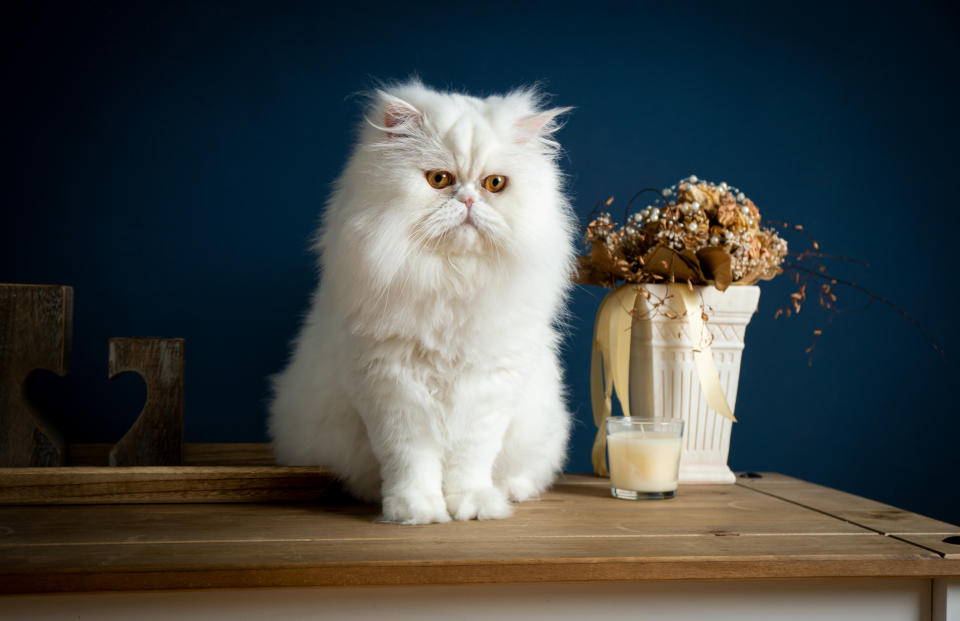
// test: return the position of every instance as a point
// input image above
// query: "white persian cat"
(426, 373)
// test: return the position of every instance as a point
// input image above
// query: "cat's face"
(462, 175)
(463, 192)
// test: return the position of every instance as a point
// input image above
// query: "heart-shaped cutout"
(84, 405)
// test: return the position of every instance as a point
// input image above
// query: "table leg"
(946, 599)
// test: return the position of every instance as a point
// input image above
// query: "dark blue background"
(169, 160)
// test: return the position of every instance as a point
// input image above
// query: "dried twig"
(795, 227)
(600, 203)
(873, 297)
(626, 209)
(819, 255)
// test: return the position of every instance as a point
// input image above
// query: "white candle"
(644, 461)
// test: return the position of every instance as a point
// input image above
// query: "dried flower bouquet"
(702, 233)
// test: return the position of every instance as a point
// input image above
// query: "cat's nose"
(466, 201)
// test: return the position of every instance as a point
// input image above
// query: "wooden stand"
(574, 550)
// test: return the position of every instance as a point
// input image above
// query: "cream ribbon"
(703, 355)
(610, 360)
(610, 364)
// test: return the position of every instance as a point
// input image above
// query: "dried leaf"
(669, 263)
(585, 273)
(716, 266)
(606, 262)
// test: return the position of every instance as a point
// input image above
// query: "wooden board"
(946, 545)
(717, 511)
(864, 512)
(161, 484)
(216, 473)
(575, 533)
(928, 533)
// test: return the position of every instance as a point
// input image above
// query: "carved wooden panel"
(35, 333)
(156, 438)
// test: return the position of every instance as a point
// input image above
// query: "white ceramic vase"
(663, 376)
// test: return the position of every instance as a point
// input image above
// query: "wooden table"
(768, 546)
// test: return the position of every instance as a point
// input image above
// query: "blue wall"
(169, 160)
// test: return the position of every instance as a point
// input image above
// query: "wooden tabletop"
(768, 527)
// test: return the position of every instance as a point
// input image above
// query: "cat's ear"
(399, 117)
(540, 124)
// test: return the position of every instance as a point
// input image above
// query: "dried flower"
(671, 241)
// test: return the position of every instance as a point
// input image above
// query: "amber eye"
(439, 178)
(494, 183)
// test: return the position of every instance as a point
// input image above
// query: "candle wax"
(644, 462)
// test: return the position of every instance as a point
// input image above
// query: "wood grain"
(35, 333)
(156, 437)
(575, 533)
(578, 501)
(298, 563)
(940, 543)
(161, 484)
(871, 514)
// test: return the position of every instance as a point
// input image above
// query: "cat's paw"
(410, 508)
(519, 489)
(483, 504)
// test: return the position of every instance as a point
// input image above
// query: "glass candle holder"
(643, 455)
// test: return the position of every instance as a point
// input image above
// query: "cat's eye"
(439, 178)
(494, 183)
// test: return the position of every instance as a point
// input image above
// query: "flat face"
(575, 532)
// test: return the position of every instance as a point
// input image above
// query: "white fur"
(426, 373)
